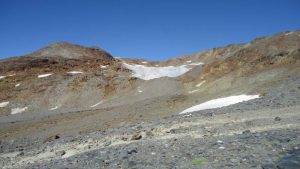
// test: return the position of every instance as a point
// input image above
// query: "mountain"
(71, 51)
(63, 92)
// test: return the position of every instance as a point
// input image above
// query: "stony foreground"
(246, 135)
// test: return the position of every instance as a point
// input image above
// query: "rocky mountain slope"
(74, 106)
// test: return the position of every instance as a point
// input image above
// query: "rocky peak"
(71, 51)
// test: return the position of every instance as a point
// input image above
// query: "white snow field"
(4, 104)
(44, 75)
(2, 77)
(220, 102)
(148, 73)
(18, 110)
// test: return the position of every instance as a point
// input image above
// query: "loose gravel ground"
(261, 133)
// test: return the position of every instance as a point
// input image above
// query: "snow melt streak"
(221, 102)
(148, 73)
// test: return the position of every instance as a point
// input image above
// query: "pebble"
(60, 153)
(234, 160)
(136, 136)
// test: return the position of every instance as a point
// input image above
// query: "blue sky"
(150, 29)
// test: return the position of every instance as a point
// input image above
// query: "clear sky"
(150, 29)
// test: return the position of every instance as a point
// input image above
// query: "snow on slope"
(75, 72)
(44, 75)
(200, 84)
(220, 102)
(148, 73)
(18, 110)
(96, 104)
(54, 108)
(4, 104)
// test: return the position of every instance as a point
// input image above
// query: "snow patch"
(189, 61)
(193, 91)
(4, 104)
(222, 148)
(200, 84)
(148, 73)
(289, 33)
(75, 72)
(18, 110)
(54, 108)
(196, 64)
(103, 67)
(144, 62)
(44, 75)
(187, 115)
(220, 102)
(17, 85)
(96, 104)
(140, 90)
(2, 77)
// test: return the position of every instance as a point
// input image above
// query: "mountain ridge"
(52, 95)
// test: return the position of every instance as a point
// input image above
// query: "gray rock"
(269, 166)
(277, 119)
(246, 132)
(136, 136)
(290, 161)
(60, 153)
(107, 143)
